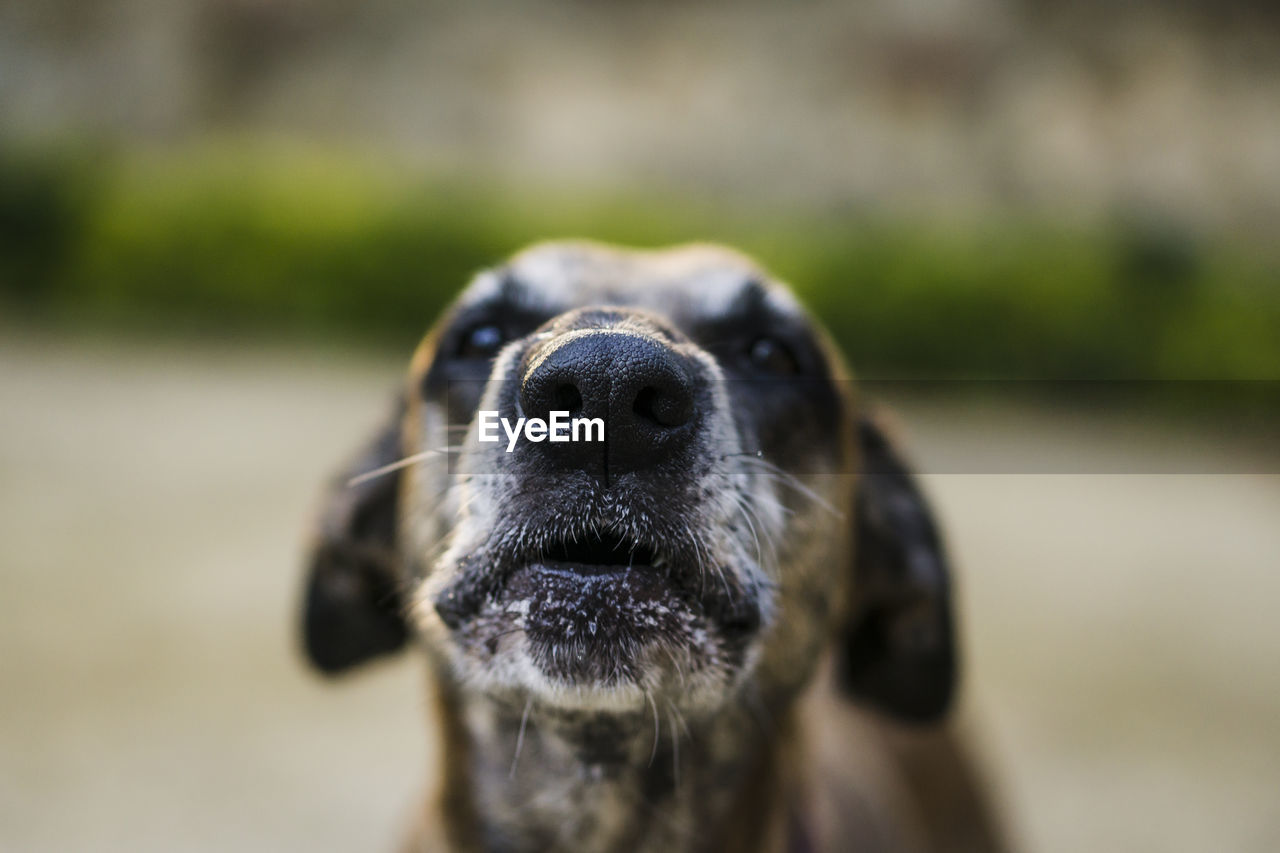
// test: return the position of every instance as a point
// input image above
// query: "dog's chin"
(603, 628)
(582, 630)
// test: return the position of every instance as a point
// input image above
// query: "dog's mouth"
(599, 585)
(599, 553)
(602, 608)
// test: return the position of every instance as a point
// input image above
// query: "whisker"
(702, 565)
(675, 751)
(697, 553)
(684, 727)
(394, 466)
(657, 728)
(724, 583)
(676, 717)
(751, 514)
(675, 663)
(524, 720)
(785, 477)
(740, 502)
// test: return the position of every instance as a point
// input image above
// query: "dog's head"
(736, 515)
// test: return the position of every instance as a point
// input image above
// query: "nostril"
(643, 405)
(666, 409)
(567, 399)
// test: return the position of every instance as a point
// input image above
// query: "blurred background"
(225, 223)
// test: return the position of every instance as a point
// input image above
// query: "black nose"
(637, 384)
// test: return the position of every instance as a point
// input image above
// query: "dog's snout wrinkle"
(639, 385)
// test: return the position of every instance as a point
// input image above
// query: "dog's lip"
(598, 563)
(596, 552)
(600, 558)
(586, 569)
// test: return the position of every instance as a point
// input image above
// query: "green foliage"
(318, 246)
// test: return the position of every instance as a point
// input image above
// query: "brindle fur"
(748, 696)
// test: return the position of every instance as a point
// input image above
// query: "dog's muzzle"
(606, 563)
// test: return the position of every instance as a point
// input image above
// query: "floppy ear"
(897, 650)
(352, 607)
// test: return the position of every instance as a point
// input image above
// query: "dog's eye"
(770, 355)
(482, 341)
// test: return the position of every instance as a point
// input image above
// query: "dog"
(725, 626)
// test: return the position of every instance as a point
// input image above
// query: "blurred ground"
(1121, 638)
